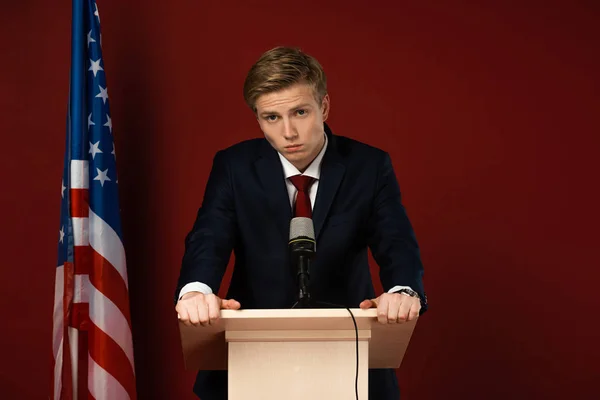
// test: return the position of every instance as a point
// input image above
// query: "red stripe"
(83, 259)
(82, 368)
(109, 282)
(80, 316)
(66, 392)
(80, 204)
(110, 356)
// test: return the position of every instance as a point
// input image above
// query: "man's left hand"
(394, 307)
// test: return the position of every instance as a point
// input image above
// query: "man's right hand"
(195, 308)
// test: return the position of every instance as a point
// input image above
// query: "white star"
(63, 187)
(90, 122)
(62, 234)
(94, 149)
(96, 13)
(108, 123)
(103, 93)
(113, 153)
(102, 176)
(95, 66)
(90, 39)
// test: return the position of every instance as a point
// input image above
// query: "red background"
(490, 113)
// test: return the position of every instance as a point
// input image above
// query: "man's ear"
(325, 106)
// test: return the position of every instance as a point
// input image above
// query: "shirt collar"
(313, 170)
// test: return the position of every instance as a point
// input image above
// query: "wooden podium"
(296, 353)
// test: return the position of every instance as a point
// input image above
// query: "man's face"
(292, 122)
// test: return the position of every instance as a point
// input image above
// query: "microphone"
(302, 246)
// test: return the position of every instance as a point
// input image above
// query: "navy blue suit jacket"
(246, 209)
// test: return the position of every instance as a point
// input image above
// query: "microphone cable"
(356, 337)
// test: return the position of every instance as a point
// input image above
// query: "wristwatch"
(409, 292)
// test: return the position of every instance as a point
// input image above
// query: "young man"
(301, 168)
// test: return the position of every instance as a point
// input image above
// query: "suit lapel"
(332, 173)
(270, 174)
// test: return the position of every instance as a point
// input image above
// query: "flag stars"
(94, 149)
(102, 176)
(90, 39)
(62, 234)
(114, 154)
(108, 123)
(63, 187)
(90, 122)
(95, 66)
(96, 13)
(103, 93)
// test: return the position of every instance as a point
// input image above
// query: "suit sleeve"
(209, 244)
(391, 237)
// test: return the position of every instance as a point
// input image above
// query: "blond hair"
(280, 68)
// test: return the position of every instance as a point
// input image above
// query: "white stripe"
(80, 175)
(107, 317)
(103, 385)
(57, 330)
(107, 243)
(82, 284)
(81, 231)
(58, 372)
(74, 349)
(57, 327)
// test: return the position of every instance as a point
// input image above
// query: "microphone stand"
(304, 299)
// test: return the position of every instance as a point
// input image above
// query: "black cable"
(356, 333)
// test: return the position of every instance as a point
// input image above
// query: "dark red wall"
(489, 110)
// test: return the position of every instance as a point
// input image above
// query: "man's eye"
(301, 112)
(272, 117)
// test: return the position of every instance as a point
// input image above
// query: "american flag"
(92, 342)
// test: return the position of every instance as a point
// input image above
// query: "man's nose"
(289, 131)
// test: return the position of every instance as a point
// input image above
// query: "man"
(301, 168)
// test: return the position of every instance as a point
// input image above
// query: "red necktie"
(302, 207)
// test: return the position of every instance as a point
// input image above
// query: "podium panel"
(297, 353)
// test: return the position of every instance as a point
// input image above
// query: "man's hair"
(280, 68)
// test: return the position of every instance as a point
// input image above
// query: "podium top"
(205, 348)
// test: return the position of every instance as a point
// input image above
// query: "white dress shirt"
(314, 171)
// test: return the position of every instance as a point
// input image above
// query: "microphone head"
(302, 227)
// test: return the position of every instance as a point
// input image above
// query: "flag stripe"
(80, 174)
(58, 364)
(81, 231)
(83, 259)
(105, 241)
(74, 350)
(107, 354)
(57, 329)
(107, 280)
(106, 316)
(67, 370)
(80, 294)
(82, 361)
(79, 316)
(80, 203)
(102, 385)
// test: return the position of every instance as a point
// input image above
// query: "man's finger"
(414, 311)
(366, 304)
(214, 309)
(183, 315)
(203, 313)
(230, 304)
(382, 310)
(192, 310)
(393, 309)
(403, 310)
